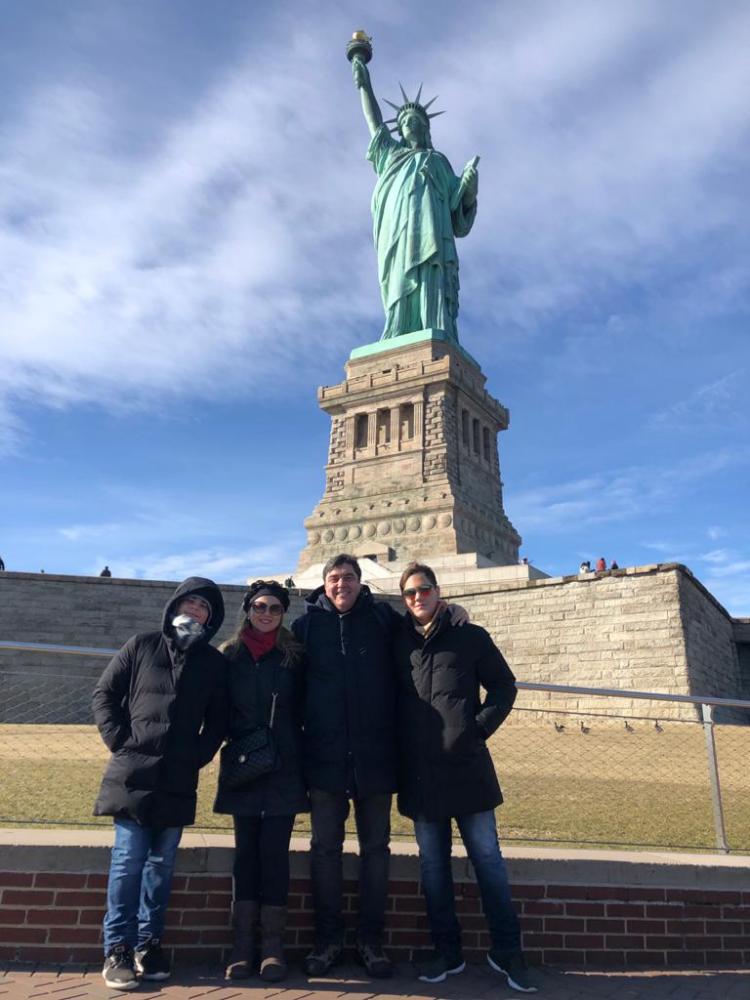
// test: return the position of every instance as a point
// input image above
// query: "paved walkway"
(477, 983)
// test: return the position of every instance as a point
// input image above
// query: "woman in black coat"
(265, 659)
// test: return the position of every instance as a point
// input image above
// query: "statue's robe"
(414, 230)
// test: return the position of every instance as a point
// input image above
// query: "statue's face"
(413, 129)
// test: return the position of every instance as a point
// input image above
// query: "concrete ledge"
(88, 851)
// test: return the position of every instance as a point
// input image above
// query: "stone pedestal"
(413, 469)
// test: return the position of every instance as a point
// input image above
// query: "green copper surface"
(419, 207)
(408, 340)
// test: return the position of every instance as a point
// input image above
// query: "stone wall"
(77, 611)
(648, 628)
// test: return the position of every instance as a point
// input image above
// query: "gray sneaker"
(151, 961)
(118, 971)
(322, 958)
(512, 965)
(375, 960)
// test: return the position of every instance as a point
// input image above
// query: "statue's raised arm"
(370, 106)
(419, 207)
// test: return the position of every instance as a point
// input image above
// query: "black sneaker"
(375, 960)
(440, 966)
(151, 961)
(512, 965)
(118, 971)
(322, 958)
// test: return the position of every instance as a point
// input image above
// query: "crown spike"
(419, 93)
(396, 107)
(426, 106)
(435, 114)
(406, 99)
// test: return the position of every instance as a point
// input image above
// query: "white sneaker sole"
(133, 985)
(444, 975)
(511, 982)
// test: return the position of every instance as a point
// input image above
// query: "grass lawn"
(607, 787)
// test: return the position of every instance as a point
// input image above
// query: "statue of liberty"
(419, 207)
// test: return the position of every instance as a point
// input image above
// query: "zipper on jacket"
(350, 765)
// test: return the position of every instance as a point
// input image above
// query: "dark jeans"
(373, 817)
(479, 835)
(261, 858)
(140, 878)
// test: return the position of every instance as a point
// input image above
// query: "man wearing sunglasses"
(446, 771)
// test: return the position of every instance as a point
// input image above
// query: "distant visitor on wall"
(419, 207)
(106, 571)
(601, 564)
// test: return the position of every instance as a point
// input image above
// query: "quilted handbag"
(249, 756)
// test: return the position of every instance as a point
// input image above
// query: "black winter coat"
(350, 737)
(251, 687)
(163, 714)
(445, 766)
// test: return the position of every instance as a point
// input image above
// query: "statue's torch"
(359, 47)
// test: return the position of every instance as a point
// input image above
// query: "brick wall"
(605, 911)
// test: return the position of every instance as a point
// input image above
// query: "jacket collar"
(440, 624)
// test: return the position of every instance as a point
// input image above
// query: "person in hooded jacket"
(265, 660)
(446, 771)
(161, 709)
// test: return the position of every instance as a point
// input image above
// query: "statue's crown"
(409, 105)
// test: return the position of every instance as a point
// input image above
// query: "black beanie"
(266, 587)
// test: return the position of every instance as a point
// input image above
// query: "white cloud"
(231, 254)
(717, 403)
(614, 494)
(220, 564)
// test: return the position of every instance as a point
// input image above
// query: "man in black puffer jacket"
(349, 755)
(161, 708)
(446, 771)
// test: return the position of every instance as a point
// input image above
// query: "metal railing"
(618, 787)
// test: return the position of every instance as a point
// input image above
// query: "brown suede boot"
(272, 926)
(242, 956)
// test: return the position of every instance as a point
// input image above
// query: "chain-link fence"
(616, 778)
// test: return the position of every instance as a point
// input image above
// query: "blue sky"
(185, 254)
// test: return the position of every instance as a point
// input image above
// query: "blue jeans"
(140, 877)
(479, 835)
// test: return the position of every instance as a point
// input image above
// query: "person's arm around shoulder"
(497, 679)
(216, 717)
(110, 714)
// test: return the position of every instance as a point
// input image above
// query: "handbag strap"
(274, 693)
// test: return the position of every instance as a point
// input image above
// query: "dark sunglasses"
(272, 609)
(411, 592)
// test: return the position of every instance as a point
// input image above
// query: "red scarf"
(259, 643)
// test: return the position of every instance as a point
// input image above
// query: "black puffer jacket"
(163, 714)
(445, 766)
(251, 687)
(350, 695)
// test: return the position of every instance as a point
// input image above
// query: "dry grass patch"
(606, 787)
